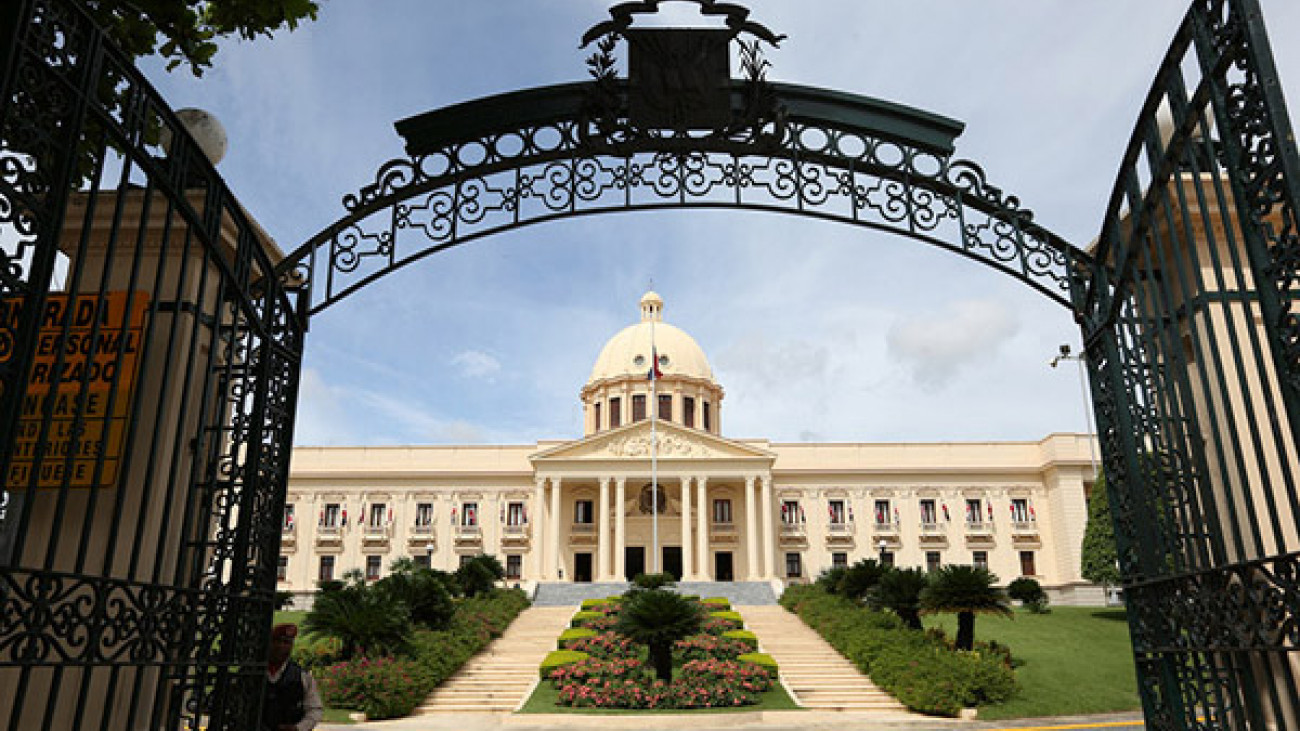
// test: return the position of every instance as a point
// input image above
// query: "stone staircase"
(818, 676)
(498, 677)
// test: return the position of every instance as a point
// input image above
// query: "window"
(282, 568)
(974, 511)
(1020, 511)
(465, 559)
(615, 412)
(928, 516)
(424, 514)
(638, 407)
(886, 558)
(378, 514)
(329, 517)
(932, 559)
(595, 408)
(516, 514)
(583, 512)
(688, 411)
(791, 513)
(326, 568)
(882, 512)
(980, 559)
(372, 568)
(722, 510)
(665, 412)
(514, 566)
(469, 514)
(1027, 567)
(288, 516)
(707, 421)
(793, 565)
(836, 511)
(839, 560)
(423, 560)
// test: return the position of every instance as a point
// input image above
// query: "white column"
(620, 531)
(688, 573)
(602, 564)
(552, 570)
(753, 571)
(769, 547)
(702, 493)
(539, 529)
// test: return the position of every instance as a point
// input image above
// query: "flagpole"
(654, 443)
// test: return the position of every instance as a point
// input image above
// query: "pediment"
(633, 442)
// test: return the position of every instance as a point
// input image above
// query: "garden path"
(499, 677)
(819, 677)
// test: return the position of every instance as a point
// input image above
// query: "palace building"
(726, 509)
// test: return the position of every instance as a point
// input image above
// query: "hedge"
(572, 634)
(716, 603)
(763, 660)
(917, 669)
(559, 658)
(729, 616)
(744, 635)
(580, 617)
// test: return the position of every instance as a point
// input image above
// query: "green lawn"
(543, 700)
(1075, 660)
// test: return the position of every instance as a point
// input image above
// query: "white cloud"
(935, 346)
(477, 365)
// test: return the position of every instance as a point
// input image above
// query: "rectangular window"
(469, 514)
(465, 559)
(595, 408)
(424, 514)
(883, 516)
(928, 514)
(665, 407)
(1020, 511)
(1027, 567)
(839, 560)
(330, 515)
(688, 411)
(722, 510)
(638, 407)
(372, 568)
(288, 516)
(980, 559)
(836, 512)
(791, 513)
(793, 565)
(974, 511)
(514, 566)
(583, 512)
(282, 568)
(932, 559)
(615, 412)
(707, 421)
(326, 568)
(516, 514)
(886, 558)
(423, 560)
(378, 515)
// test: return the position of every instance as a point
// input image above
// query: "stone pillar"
(687, 572)
(702, 493)
(769, 544)
(602, 563)
(753, 571)
(620, 530)
(554, 538)
(540, 547)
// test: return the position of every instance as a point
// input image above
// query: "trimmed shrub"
(709, 647)
(383, 688)
(652, 581)
(730, 616)
(580, 618)
(1030, 593)
(716, 603)
(569, 635)
(742, 635)
(556, 659)
(761, 659)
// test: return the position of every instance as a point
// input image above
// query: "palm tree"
(366, 621)
(964, 591)
(658, 618)
(860, 578)
(899, 591)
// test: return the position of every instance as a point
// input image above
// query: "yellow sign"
(83, 377)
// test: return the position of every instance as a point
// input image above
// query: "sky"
(817, 331)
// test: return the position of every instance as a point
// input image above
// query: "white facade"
(729, 509)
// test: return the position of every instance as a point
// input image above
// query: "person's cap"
(284, 630)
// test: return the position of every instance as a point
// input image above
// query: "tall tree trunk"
(965, 630)
(661, 656)
(911, 618)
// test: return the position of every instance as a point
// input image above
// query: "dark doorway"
(722, 567)
(582, 567)
(633, 561)
(673, 561)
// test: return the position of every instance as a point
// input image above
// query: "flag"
(654, 373)
(345, 517)
(1032, 514)
(322, 517)
(850, 513)
(453, 516)
(896, 516)
(990, 510)
(390, 514)
(945, 513)
(523, 513)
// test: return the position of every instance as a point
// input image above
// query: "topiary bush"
(580, 618)
(1029, 593)
(716, 603)
(556, 659)
(572, 634)
(761, 659)
(742, 635)
(734, 618)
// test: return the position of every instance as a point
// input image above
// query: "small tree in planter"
(657, 618)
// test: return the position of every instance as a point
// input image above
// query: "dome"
(627, 354)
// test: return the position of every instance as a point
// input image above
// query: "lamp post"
(428, 548)
(883, 545)
(1081, 359)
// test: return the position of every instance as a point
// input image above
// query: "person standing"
(291, 701)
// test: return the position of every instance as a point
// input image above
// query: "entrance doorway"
(673, 561)
(722, 567)
(582, 567)
(633, 561)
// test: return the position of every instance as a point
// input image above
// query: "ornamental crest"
(670, 445)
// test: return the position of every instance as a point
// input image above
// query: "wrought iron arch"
(503, 162)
